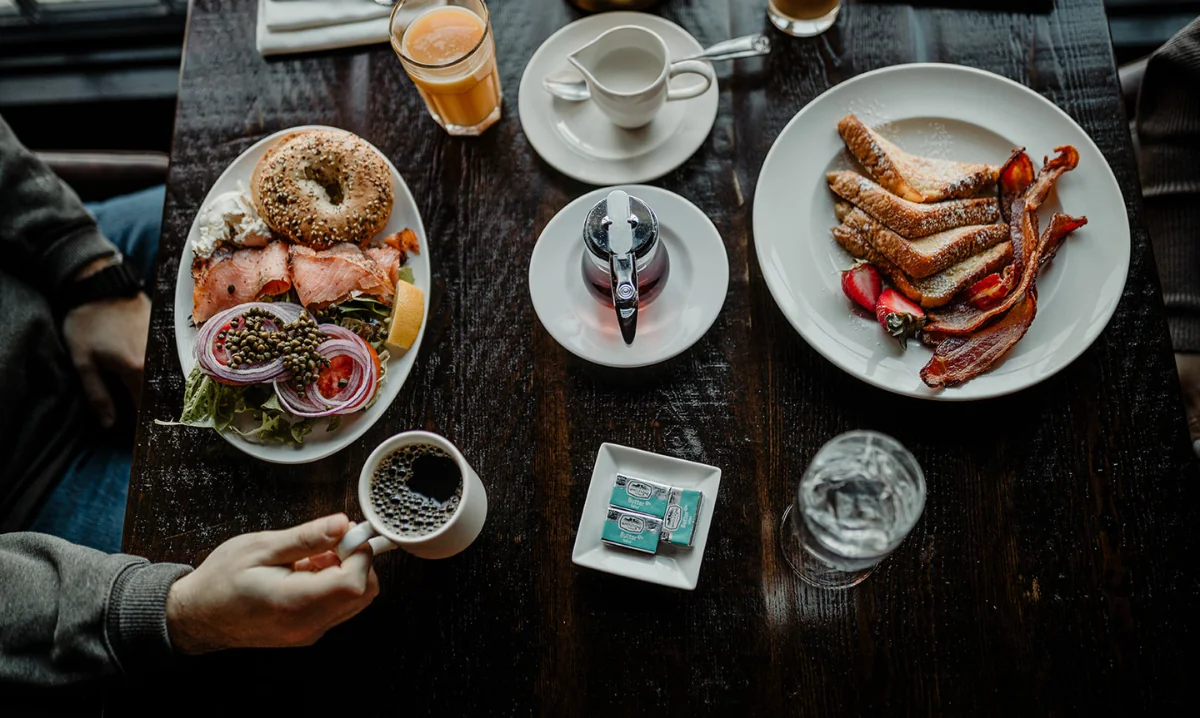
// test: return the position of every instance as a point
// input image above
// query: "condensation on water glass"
(860, 497)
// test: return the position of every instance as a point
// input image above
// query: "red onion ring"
(204, 348)
(360, 386)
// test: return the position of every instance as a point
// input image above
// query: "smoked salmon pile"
(963, 257)
(320, 278)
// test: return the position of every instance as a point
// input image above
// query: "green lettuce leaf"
(209, 404)
(405, 275)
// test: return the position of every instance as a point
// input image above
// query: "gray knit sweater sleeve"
(69, 613)
(46, 235)
(1168, 127)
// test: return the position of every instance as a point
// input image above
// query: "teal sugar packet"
(644, 497)
(631, 530)
(679, 520)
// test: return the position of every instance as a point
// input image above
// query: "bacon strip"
(1015, 177)
(962, 318)
(1066, 160)
(960, 359)
(1060, 226)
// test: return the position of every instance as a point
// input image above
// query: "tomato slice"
(219, 352)
(375, 358)
(334, 378)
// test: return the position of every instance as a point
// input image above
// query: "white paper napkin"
(286, 15)
(289, 26)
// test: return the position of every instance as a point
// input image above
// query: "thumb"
(315, 537)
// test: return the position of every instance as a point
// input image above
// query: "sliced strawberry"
(899, 316)
(862, 284)
(987, 292)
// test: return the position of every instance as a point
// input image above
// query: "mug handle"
(690, 67)
(357, 536)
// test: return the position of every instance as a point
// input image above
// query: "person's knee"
(133, 222)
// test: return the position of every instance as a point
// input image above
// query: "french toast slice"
(935, 290)
(915, 178)
(907, 218)
(928, 255)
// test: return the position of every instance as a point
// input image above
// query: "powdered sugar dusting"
(872, 112)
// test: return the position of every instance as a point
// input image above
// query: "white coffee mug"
(628, 70)
(450, 538)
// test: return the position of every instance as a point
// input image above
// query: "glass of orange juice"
(446, 46)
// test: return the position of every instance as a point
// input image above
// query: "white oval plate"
(319, 443)
(957, 113)
(674, 320)
(576, 139)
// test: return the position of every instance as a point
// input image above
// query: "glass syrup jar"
(624, 263)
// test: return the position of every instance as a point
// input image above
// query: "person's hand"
(271, 589)
(1189, 381)
(108, 336)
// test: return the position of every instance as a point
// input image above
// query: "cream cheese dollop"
(229, 219)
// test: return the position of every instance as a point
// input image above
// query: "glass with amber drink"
(447, 49)
(803, 18)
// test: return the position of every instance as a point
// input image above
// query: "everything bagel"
(321, 187)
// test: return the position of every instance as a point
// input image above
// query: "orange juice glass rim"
(487, 29)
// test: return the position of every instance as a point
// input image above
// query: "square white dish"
(671, 566)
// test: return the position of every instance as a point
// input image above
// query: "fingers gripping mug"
(418, 493)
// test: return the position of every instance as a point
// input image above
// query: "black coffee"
(416, 489)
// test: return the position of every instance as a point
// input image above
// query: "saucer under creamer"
(577, 139)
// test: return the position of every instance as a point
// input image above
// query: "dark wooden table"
(1046, 577)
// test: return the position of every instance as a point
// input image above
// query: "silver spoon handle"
(747, 46)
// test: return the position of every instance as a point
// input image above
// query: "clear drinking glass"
(803, 18)
(857, 501)
(447, 49)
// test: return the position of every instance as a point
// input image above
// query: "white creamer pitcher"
(628, 71)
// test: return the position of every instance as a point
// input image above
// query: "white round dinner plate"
(673, 320)
(951, 112)
(319, 443)
(576, 139)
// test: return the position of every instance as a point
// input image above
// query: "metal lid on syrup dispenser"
(597, 228)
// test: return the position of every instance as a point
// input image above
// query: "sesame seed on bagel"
(321, 187)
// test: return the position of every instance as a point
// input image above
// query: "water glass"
(803, 18)
(858, 500)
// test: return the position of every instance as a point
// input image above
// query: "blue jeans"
(88, 505)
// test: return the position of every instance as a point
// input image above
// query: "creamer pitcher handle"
(690, 67)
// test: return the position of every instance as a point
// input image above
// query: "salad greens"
(211, 404)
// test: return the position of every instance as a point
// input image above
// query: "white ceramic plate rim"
(669, 207)
(536, 114)
(1099, 174)
(672, 567)
(404, 214)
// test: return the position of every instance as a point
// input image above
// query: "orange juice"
(805, 9)
(450, 55)
(803, 18)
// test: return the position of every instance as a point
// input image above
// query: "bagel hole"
(328, 180)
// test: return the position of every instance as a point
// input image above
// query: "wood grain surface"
(1047, 576)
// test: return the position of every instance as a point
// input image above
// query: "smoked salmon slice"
(228, 279)
(389, 260)
(337, 274)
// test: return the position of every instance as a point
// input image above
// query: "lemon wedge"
(408, 311)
